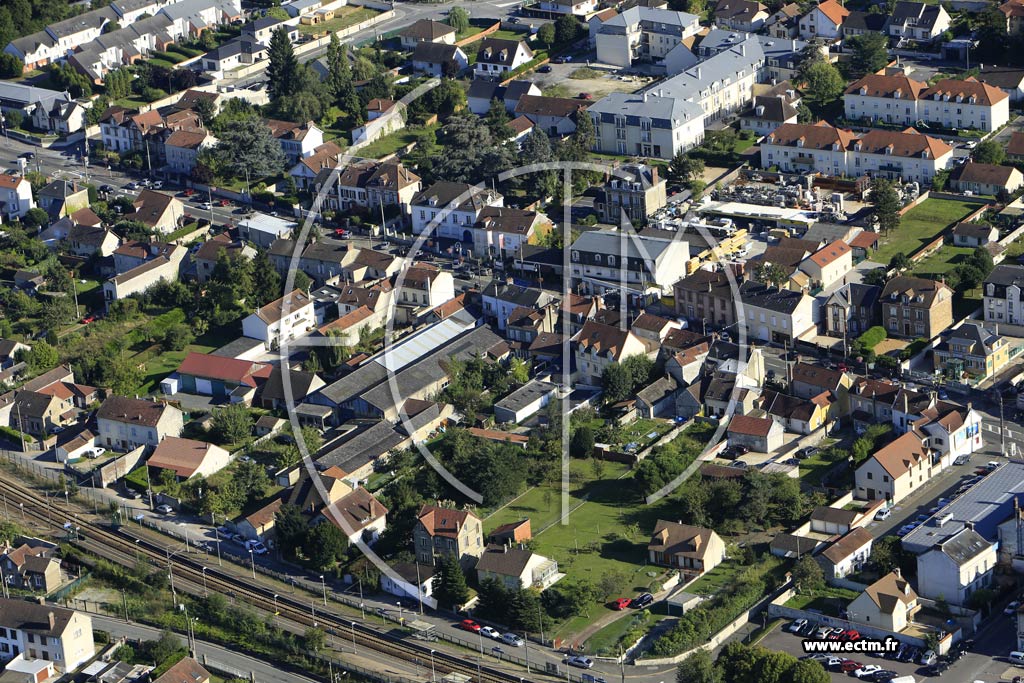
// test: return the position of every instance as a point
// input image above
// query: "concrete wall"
(116, 469)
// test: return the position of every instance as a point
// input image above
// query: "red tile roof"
(226, 369)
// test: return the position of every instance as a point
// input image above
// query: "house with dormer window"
(916, 307)
(496, 57)
(451, 210)
(967, 103)
(1003, 294)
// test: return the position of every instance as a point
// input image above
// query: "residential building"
(426, 31)
(39, 414)
(524, 402)
(446, 531)
(482, 91)
(32, 566)
(974, 234)
(45, 631)
(556, 116)
(124, 424)
(424, 286)
(691, 550)
(852, 310)
(410, 580)
(182, 149)
(824, 21)
(767, 113)
(580, 8)
(957, 567)
(889, 603)
(829, 264)
(233, 54)
(809, 380)
(759, 434)
(785, 23)
(61, 118)
(859, 22)
(165, 265)
(1007, 78)
(501, 232)
(450, 210)
(501, 299)
(186, 670)
(205, 257)
(1002, 290)
(988, 179)
(707, 297)
(905, 155)
(915, 307)
(647, 124)
(186, 458)
(359, 515)
(497, 57)
(439, 59)
(971, 352)
(644, 265)
(896, 470)
(641, 34)
(158, 211)
(777, 315)
(596, 346)
(635, 190)
(15, 197)
(517, 568)
(882, 97)
(800, 148)
(60, 198)
(967, 103)
(1014, 12)
(297, 140)
(740, 15)
(917, 22)
(846, 555)
(285, 319)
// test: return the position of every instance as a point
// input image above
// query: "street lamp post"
(433, 675)
(206, 593)
(323, 584)
(353, 636)
(401, 618)
(275, 604)
(252, 561)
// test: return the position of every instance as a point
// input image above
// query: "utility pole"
(1002, 427)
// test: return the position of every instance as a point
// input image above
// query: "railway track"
(126, 548)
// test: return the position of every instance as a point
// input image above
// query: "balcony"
(890, 168)
(803, 161)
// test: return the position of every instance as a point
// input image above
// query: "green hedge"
(14, 435)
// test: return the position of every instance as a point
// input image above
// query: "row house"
(949, 103)
(1003, 295)
(447, 209)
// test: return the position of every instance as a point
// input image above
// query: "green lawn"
(828, 600)
(505, 34)
(921, 225)
(942, 261)
(639, 432)
(343, 18)
(605, 642)
(716, 579)
(158, 366)
(469, 32)
(389, 144)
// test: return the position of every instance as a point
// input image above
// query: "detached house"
(289, 317)
(824, 21)
(596, 346)
(186, 458)
(889, 603)
(692, 550)
(426, 31)
(359, 515)
(127, 423)
(985, 179)
(15, 197)
(45, 631)
(895, 470)
(1003, 293)
(971, 352)
(496, 57)
(957, 567)
(915, 307)
(852, 310)
(847, 554)
(975, 234)
(740, 15)
(918, 22)
(446, 531)
(157, 211)
(760, 434)
(439, 59)
(517, 568)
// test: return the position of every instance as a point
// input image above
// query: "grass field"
(942, 261)
(714, 580)
(920, 225)
(343, 18)
(389, 144)
(828, 600)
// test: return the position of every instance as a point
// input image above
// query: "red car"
(851, 635)
(88, 319)
(849, 665)
(189, 192)
(469, 625)
(342, 232)
(621, 603)
(225, 202)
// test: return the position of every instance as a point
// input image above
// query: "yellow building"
(971, 351)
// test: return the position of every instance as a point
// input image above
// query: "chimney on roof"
(969, 524)
(52, 620)
(898, 573)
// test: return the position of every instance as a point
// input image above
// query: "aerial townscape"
(511, 341)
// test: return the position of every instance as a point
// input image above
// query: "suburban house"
(424, 285)
(985, 178)
(60, 198)
(439, 59)
(740, 15)
(451, 209)
(497, 57)
(289, 317)
(446, 531)
(186, 458)
(1003, 293)
(847, 554)
(359, 515)
(809, 380)
(796, 415)
(186, 670)
(31, 566)
(957, 567)
(15, 197)
(635, 190)
(972, 352)
(209, 375)
(258, 525)
(823, 21)
(974, 234)
(414, 580)
(896, 470)
(777, 315)
(182, 147)
(760, 434)
(297, 140)
(596, 346)
(47, 632)
(517, 568)
(512, 533)
(767, 113)
(125, 423)
(648, 265)
(555, 116)
(889, 603)
(426, 31)
(915, 307)
(852, 310)
(829, 264)
(157, 264)
(692, 550)
(917, 22)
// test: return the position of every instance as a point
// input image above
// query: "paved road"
(215, 656)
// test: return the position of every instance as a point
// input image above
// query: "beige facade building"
(896, 470)
(44, 631)
(889, 603)
(915, 307)
(446, 531)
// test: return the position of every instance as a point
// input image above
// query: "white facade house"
(596, 346)
(608, 261)
(824, 21)
(45, 631)
(1003, 293)
(579, 8)
(124, 424)
(289, 317)
(456, 208)
(641, 34)
(646, 124)
(496, 57)
(778, 315)
(918, 22)
(15, 196)
(956, 568)
(968, 103)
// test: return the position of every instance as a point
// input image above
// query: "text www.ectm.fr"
(888, 644)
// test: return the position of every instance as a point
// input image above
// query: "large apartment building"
(949, 103)
(643, 34)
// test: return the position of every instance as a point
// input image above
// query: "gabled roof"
(504, 561)
(989, 174)
(820, 136)
(272, 312)
(917, 13)
(899, 456)
(673, 538)
(500, 51)
(603, 339)
(890, 591)
(226, 369)
(434, 53)
(150, 207)
(187, 670)
(908, 143)
(851, 542)
(919, 290)
(359, 509)
(427, 30)
(880, 85)
(818, 376)
(967, 88)
(750, 426)
(132, 411)
(835, 12)
(446, 522)
(182, 456)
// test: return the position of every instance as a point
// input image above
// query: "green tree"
(584, 136)
(823, 84)
(458, 19)
(290, 529)
(41, 357)
(266, 281)
(698, 668)
(989, 152)
(684, 169)
(567, 28)
(35, 217)
(807, 671)
(771, 274)
(249, 145)
(316, 639)
(451, 590)
(616, 382)
(282, 66)
(325, 545)
(232, 423)
(808, 575)
(251, 479)
(582, 443)
(546, 34)
(886, 204)
(885, 553)
(11, 66)
(899, 262)
(497, 120)
(869, 53)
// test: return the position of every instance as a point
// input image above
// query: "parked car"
(851, 634)
(738, 464)
(641, 601)
(132, 186)
(544, 69)
(106, 189)
(342, 233)
(936, 669)
(849, 666)
(132, 494)
(512, 639)
(883, 514)
(206, 206)
(1012, 607)
(866, 670)
(256, 546)
(224, 531)
(238, 538)
(806, 452)
(158, 185)
(96, 452)
(794, 627)
(27, 155)
(89, 319)
(489, 632)
(585, 96)
(469, 625)
(164, 509)
(579, 661)
(884, 675)
(621, 603)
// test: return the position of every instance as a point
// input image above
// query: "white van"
(1017, 657)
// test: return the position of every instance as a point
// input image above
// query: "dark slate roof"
(770, 298)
